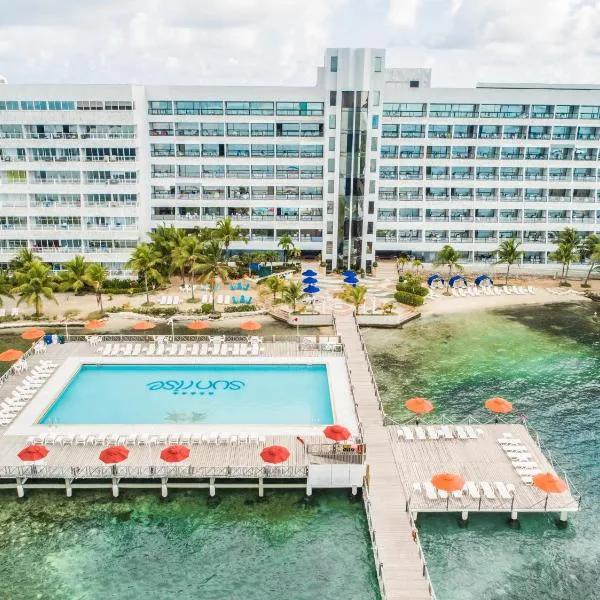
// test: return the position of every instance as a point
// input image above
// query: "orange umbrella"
(94, 325)
(34, 333)
(549, 483)
(175, 453)
(33, 452)
(113, 454)
(143, 325)
(10, 355)
(198, 325)
(337, 433)
(275, 454)
(498, 405)
(419, 405)
(250, 325)
(448, 482)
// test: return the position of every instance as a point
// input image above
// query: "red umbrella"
(10, 355)
(175, 453)
(33, 452)
(419, 405)
(114, 454)
(275, 454)
(94, 324)
(33, 333)
(337, 433)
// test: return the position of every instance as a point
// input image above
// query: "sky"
(281, 42)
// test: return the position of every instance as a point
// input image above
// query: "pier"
(400, 564)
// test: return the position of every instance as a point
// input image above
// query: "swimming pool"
(276, 394)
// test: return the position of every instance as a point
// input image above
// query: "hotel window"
(237, 108)
(160, 107)
(9, 105)
(331, 165)
(238, 129)
(333, 64)
(262, 108)
(301, 109)
(377, 64)
(331, 121)
(332, 98)
(565, 111)
(542, 111)
(263, 150)
(288, 129)
(211, 108)
(58, 105)
(375, 122)
(89, 105)
(376, 97)
(414, 83)
(213, 129)
(33, 105)
(589, 112)
(374, 144)
(331, 144)
(262, 129)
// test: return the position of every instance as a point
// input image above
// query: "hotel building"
(371, 161)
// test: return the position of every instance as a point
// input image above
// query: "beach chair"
(203, 349)
(497, 291)
(244, 349)
(14, 312)
(504, 494)
(472, 489)
(471, 433)
(115, 350)
(488, 491)
(408, 434)
(462, 434)
(172, 351)
(223, 438)
(506, 290)
(220, 299)
(253, 439)
(446, 432)
(226, 300)
(137, 348)
(163, 438)
(49, 438)
(160, 349)
(150, 350)
(243, 438)
(185, 438)
(261, 438)
(254, 349)
(80, 439)
(210, 298)
(173, 438)
(107, 350)
(224, 349)
(196, 438)
(142, 439)
(432, 432)
(518, 456)
(183, 349)
(236, 350)
(176, 300)
(216, 347)
(213, 438)
(127, 350)
(195, 349)
(234, 300)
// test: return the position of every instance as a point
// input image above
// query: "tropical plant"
(355, 295)
(568, 242)
(448, 257)
(210, 267)
(508, 253)
(401, 262)
(72, 279)
(187, 255)
(146, 261)
(5, 286)
(275, 285)
(96, 276)
(270, 257)
(417, 264)
(35, 283)
(286, 243)
(292, 294)
(22, 260)
(226, 232)
(164, 239)
(412, 285)
(589, 249)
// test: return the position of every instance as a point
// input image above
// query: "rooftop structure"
(370, 161)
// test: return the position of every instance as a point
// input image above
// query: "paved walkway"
(398, 557)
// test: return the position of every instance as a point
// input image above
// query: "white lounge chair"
(446, 432)
(172, 349)
(504, 494)
(137, 348)
(471, 433)
(432, 432)
(203, 349)
(127, 350)
(227, 300)
(407, 432)
(488, 491)
(473, 490)
(216, 347)
(224, 349)
(497, 291)
(220, 299)
(213, 438)
(462, 435)
(183, 349)
(236, 350)
(115, 350)
(531, 289)
(196, 438)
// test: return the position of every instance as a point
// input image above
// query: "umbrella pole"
(447, 502)
(546, 503)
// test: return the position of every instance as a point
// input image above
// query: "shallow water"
(93, 547)
(547, 361)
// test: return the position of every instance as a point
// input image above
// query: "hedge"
(417, 290)
(408, 298)
(240, 308)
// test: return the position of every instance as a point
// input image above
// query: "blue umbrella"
(349, 274)
(309, 273)
(311, 289)
(308, 280)
(351, 280)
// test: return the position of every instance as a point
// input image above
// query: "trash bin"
(48, 338)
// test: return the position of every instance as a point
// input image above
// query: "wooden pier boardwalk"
(401, 568)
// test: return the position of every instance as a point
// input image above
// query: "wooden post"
(20, 488)
(261, 487)
(164, 490)
(68, 488)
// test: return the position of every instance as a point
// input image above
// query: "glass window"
(331, 144)
(403, 109)
(288, 150)
(9, 105)
(288, 129)
(160, 107)
(542, 111)
(333, 64)
(414, 83)
(412, 131)
(376, 97)
(237, 108)
(263, 150)
(331, 121)
(212, 129)
(187, 107)
(389, 131)
(311, 151)
(589, 112)
(332, 98)
(566, 111)
(375, 122)
(238, 129)
(262, 108)
(377, 64)
(238, 150)
(262, 129)
(331, 165)
(373, 144)
(211, 108)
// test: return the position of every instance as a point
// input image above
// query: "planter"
(386, 320)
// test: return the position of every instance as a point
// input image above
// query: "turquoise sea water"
(219, 394)
(93, 547)
(547, 361)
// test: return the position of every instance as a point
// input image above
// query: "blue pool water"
(215, 394)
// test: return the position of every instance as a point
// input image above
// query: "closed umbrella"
(10, 355)
(33, 333)
(175, 453)
(275, 454)
(349, 274)
(311, 289)
(143, 325)
(309, 280)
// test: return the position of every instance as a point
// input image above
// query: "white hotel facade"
(371, 161)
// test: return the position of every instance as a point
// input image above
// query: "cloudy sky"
(281, 41)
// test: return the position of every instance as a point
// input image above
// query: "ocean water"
(93, 547)
(200, 394)
(546, 359)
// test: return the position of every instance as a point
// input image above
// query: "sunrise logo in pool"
(198, 387)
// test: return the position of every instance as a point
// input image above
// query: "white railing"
(12, 370)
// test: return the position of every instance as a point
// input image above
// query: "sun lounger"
(432, 432)
(244, 349)
(137, 348)
(226, 300)
(255, 350)
(224, 349)
(185, 438)
(473, 490)
(213, 438)
(457, 494)
(442, 494)
(107, 350)
(236, 350)
(203, 349)
(524, 464)
(504, 494)
(127, 350)
(471, 433)
(115, 350)
(173, 438)
(150, 350)
(416, 486)
(160, 349)
(195, 349)
(176, 300)
(510, 488)
(183, 349)
(243, 437)
(220, 299)
(173, 349)
(446, 432)
(518, 456)
(407, 432)
(461, 433)
(196, 438)
(50, 438)
(253, 439)
(488, 490)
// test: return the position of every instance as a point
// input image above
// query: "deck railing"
(343, 452)
(12, 369)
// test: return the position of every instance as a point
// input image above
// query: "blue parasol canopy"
(351, 280)
(309, 273)
(433, 278)
(308, 280)
(349, 274)
(454, 280)
(482, 278)
(311, 289)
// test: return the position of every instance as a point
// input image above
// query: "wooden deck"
(398, 557)
(477, 460)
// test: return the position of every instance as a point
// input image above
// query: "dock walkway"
(400, 565)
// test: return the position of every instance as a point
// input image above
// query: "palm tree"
(401, 262)
(22, 260)
(95, 276)
(353, 295)
(508, 252)
(191, 251)
(286, 243)
(165, 240)
(417, 264)
(568, 243)
(588, 250)
(72, 279)
(293, 293)
(275, 284)
(448, 257)
(5, 286)
(270, 257)
(145, 261)
(210, 267)
(34, 284)
(226, 232)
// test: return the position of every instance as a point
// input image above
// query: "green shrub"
(240, 308)
(412, 288)
(206, 309)
(586, 285)
(408, 298)
(564, 284)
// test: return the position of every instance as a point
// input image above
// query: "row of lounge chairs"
(140, 439)
(169, 300)
(252, 348)
(14, 312)
(492, 291)
(12, 405)
(504, 491)
(437, 432)
(520, 458)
